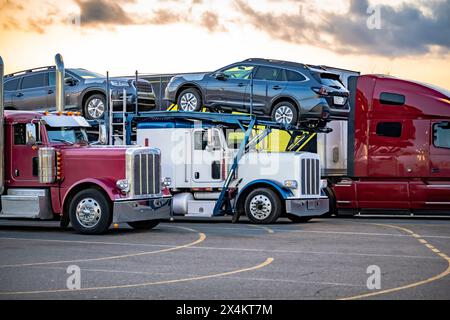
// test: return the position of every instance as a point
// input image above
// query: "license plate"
(339, 100)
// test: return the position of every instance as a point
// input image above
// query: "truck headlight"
(166, 182)
(291, 184)
(123, 185)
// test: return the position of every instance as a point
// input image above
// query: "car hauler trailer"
(50, 172)
(398, 158)
(210, 176)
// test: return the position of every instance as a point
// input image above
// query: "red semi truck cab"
(398, 148)
(48, 171)
(51, 171)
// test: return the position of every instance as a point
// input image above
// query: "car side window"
(294, 76)
(34, 81)
(238, 72)
(441, 137)
(51, 79)
(267, 73)
(11, 85)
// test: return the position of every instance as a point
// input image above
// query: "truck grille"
(310, 169)
(144, 172)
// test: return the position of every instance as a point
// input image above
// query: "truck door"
(24, 158)
(206, 157)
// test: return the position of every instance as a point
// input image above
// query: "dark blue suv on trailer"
(85, 91)
(287, 92)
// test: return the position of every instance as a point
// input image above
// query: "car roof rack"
(280, 62)
(23, 72)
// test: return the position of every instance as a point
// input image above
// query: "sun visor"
(65, 121)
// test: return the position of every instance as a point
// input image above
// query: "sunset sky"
(156, 36)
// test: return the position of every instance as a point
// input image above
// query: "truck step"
(27, 203)
(200, 208)
(20, 206)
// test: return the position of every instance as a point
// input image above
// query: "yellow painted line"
(201, 238)
(412, 285)
(261, 227)
(145, 284)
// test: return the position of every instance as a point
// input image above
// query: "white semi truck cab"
(210, 174)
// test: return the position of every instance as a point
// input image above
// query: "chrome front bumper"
(308, 208)
(142, 210)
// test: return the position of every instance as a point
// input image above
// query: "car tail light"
(323, 91)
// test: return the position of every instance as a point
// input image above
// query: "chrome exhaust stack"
(60, 82)
(2, 130)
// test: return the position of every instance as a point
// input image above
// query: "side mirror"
(70, 82)
(220, 76)
(30, 132)
(102, 135)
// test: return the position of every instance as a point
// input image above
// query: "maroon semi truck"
(396, 148)
(49, 171)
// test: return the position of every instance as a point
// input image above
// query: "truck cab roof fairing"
(65, 121)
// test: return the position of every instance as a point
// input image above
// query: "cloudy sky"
(409, 39)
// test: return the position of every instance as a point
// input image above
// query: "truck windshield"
(67, 135)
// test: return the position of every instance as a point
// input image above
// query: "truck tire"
(94, 107)
(262, 206)
(333, 204)
(190, 100)
(143, 225)
(285, 112)
(297, 219)
(90, 212)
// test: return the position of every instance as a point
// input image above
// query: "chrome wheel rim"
(96, 108)
(188, 102)
(88, 213)
(284, 114)
(260, 207)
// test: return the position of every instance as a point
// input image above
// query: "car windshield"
(86, 74)
(67, 135)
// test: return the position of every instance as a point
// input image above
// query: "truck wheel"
(90, 212)
(285, 113)
(143, 225)
(298, 219)
(189, 100)
(333, 205)
(263, 206)
(95, 106)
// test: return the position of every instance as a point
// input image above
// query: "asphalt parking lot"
(322, 259)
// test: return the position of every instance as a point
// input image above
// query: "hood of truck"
(107, 164)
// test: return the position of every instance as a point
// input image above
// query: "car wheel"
(95, 107)
(262, 206)
(190, 100)
(143, 225)
(297, 219)
(285, 113)
(90, 212)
